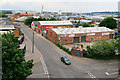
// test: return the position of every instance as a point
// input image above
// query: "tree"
(102, 49)
(53, 19)
(85, 24)
(28, 21)
(14, 66)
(109, 22)
(3, 15)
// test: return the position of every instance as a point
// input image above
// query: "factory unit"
(46, 25)
(78, 35)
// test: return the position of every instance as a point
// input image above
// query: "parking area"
(85, 44)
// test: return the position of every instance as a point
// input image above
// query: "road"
(57, 69)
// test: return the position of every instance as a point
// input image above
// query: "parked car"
(65, 60)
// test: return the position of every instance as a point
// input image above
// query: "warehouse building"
(45, 25)
(77, 35)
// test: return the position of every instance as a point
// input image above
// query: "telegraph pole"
(33, 44)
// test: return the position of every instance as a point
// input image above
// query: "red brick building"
(77, 35)
(45, 25)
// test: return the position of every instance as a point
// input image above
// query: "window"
(97, 33)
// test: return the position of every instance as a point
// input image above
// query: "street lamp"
(33, 44)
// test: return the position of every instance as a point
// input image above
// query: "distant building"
(6, 28)
(45, 25)
(85, 21)
(21, 19)
(78, 35)
(119, 6)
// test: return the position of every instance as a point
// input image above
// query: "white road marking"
(91, 75)
(111, 73)
(44, 66)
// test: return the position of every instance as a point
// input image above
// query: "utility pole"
(33, 44)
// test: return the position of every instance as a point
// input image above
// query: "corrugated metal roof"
(55, 23)
(21, 18)
(6, 27)
(81, 30)
(85, 20)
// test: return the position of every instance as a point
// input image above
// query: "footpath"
(37, 70)
(29, 55)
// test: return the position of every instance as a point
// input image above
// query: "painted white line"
(44, 66)
(91, 75)
(111, 73)
(106, 73)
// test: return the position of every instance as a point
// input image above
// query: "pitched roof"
(55, 23)
(81, 30)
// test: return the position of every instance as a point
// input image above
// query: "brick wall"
(69, 40)
(16, 32)
(56, 26)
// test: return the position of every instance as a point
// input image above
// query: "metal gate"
(76, 39)
(83, 38)
(111, 36)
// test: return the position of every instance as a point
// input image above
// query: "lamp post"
(33, 44)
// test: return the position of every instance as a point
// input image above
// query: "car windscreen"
(67, 59)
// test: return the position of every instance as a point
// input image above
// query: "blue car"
(65, 60)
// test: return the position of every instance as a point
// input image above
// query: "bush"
(61, 47)
(64, 48)
(58, 44)
(101, 49)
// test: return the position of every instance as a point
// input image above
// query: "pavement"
(80, 67)
(36, 57)
(29, 55)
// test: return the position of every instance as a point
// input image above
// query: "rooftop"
(81, 30)
(55, 23)
(7, 27)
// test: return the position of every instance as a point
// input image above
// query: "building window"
(97, 33)
(65, 40)
(96, 37)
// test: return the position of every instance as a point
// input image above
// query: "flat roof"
(2, 32)
(55, 23)
(85, 20)
(6, 27)
(81, 30)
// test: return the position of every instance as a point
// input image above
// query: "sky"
(63, 5)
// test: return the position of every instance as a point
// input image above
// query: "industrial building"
(45, 25)
(77, 35)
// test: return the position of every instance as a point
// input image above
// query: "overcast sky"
(63, 5)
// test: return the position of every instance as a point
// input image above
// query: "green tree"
(14, 66)
(102, 49)
(53, 19)
(3, 15)
(109, 22)
(77, 25)
(28, 21)
(85, 24)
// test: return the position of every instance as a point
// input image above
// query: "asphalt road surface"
(57, 69)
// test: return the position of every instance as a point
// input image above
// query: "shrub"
(61, 47)
(101, 49)
(58, 44)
